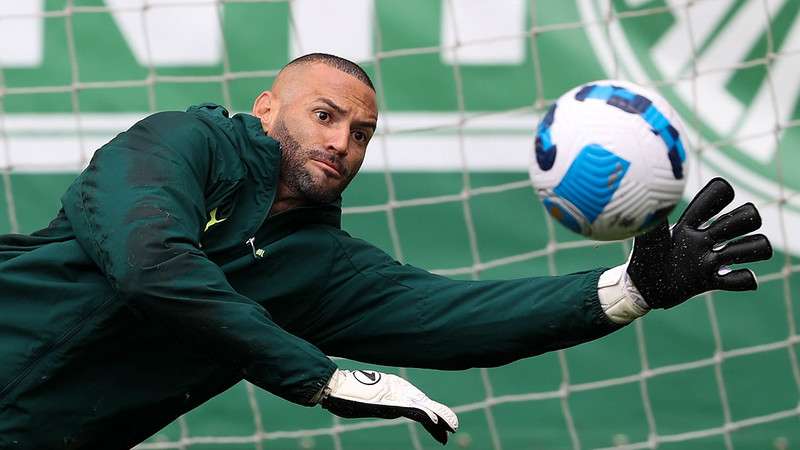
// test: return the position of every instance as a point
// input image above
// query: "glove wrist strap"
(620, 299)
(325, 392)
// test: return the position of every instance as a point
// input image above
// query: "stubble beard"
(296, 176)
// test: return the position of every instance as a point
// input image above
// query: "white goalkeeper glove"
(366, 393)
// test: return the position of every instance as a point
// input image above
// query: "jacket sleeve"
(379, 311)
(138, 211)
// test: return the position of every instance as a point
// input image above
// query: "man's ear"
(264, 108)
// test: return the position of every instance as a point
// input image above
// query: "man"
(198, 249)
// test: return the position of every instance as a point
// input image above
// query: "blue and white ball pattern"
(610, 159)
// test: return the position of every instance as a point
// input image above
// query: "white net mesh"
(461, 84)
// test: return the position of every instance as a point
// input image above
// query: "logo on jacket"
(213, 219)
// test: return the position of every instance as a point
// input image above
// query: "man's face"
(323, 118)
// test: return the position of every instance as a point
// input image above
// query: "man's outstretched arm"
(379, 311)
(139, 210)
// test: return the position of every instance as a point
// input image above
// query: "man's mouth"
(331, 167)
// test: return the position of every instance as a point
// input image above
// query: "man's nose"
(339, 139)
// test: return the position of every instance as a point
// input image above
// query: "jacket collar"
(262, 157)
(263, 162)
(263, 154)
(285, 223)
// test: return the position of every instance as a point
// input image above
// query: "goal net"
(461, 84)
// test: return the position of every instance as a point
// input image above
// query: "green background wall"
(598, 387)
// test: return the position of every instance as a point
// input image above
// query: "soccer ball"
(610, 159)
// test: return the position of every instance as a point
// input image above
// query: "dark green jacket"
(161, 283)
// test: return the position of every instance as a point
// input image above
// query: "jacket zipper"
(257, 253)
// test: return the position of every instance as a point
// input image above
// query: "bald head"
(338, 63)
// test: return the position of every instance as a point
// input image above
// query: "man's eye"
(323, 116)
(360, 136)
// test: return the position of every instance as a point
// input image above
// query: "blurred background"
(461, 84)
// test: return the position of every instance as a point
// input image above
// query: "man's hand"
(670, 266)
(365, 393)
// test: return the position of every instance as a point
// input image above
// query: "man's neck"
(285, 200)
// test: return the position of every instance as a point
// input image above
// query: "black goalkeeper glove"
(670, 266)
(366, 393)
